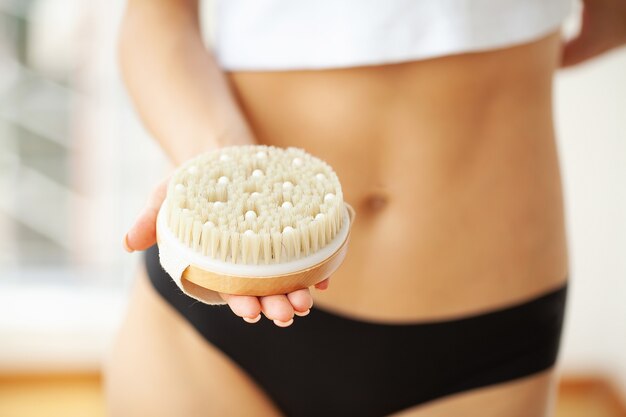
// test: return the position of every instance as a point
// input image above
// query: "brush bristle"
(255, 204)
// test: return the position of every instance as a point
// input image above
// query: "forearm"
(178, 89)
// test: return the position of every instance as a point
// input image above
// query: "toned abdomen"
(451, 166)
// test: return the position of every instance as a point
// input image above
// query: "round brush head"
(253, 220)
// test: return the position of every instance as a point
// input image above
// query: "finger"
(571, 53)
(246, 307)
(301, 301)
(599, 33)
(142, 233)
(277, 308)
(323, 285)
(582, 48)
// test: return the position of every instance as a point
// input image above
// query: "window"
(70, 149)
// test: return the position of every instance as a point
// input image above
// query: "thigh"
(159, 366)
(530, 396)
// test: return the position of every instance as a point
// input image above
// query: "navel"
(375, 202)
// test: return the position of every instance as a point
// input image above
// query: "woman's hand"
(186, 102)
(279, 308)
(603, 28)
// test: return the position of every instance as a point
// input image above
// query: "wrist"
(235, 134)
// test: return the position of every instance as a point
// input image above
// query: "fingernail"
(302, 313)
(254, 320)
(283, 323)
(128, 248)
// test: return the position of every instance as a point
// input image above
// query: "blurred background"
(71, 149)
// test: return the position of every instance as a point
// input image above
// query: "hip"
(417, 362)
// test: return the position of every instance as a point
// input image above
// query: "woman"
(437, 118)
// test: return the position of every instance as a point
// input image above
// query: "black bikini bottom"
(326, 365)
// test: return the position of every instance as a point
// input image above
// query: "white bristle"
(267, 247)
(250, 215)
(277, 241)
(215, 242)
(314, 235)
(288, 241)
(234, 246)
(212, 210)
(196, 233)
(251, 246)
(305, 239)
(187, 225)
(321, 229)
(175, 215)
(224, 239)
(205, 237)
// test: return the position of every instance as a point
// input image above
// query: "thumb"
(323, 285)
(142, 234)
(600, 31)
(580, 49)
(582, 46)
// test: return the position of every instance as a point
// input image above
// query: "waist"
(428, 123)
(450, 165)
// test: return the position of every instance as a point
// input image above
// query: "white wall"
(591, 125)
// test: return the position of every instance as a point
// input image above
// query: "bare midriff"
(451, 166)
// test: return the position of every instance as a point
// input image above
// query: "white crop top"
(317, 34)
